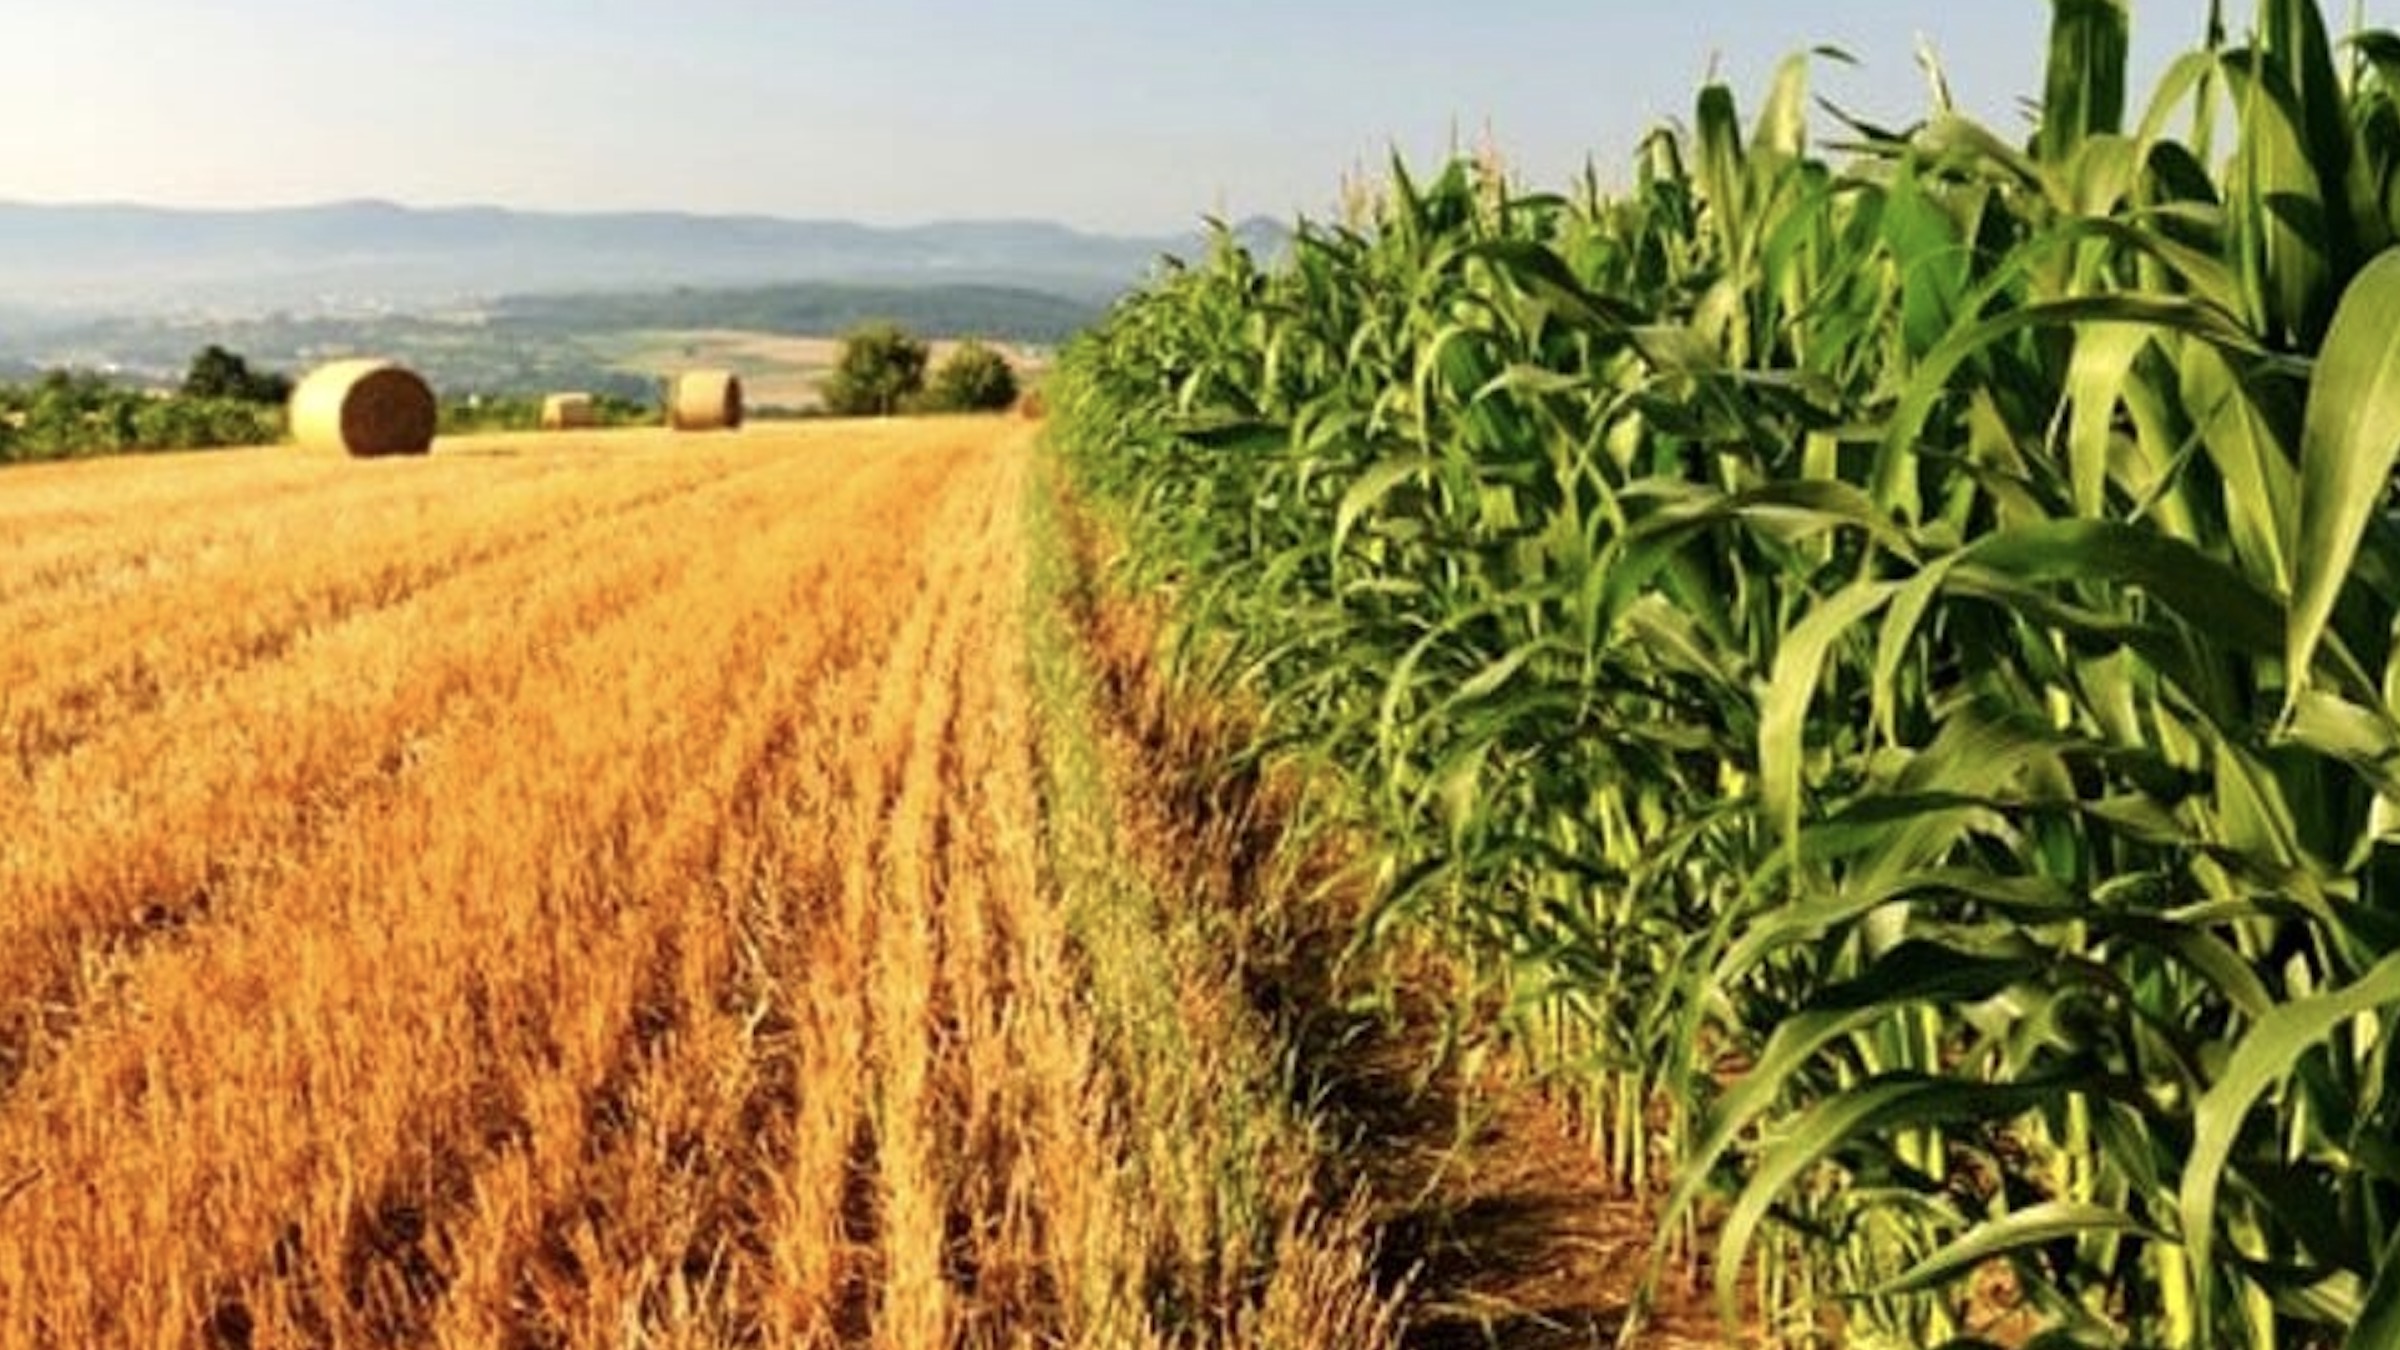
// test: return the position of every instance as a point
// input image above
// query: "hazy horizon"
(574, 212)
(1124, 118)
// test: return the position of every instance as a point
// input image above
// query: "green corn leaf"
(1783, 716)
(1371, 487)
(2338, 1300)
(1799, 508)
(2279, 204)
(2293, 34)
(2226, 969)
(2200, 590)
(1866, 1112)
(1809, 921)
(2034, 1227)
(1543, 273)
(1898, 639)
(2347, 454)
(1783, 122)
(1722, 179)
(2085, 91)
(2187, 77)
(2103, 363)
(1404, 678)
(1983, 744)
(1952, 137)
(2267, 1055)
(2103, 174)
(1670, 635)
(1914, 974)
(2261, 485)
(1930, 382)
(1933, 259)
(2365, 737)
(1497, 674)
(2378, 1322)
(2380, 49)
(2200, 274)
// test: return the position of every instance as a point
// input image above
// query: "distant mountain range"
(354, 257)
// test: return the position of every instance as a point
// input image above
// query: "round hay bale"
(706, 400)
(365, 408)
(569, 412)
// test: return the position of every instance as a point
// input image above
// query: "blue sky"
(1113, 114)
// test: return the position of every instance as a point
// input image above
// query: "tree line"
(883, 370)
(481, 414)
(66, 414)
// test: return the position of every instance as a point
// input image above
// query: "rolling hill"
(365, 256)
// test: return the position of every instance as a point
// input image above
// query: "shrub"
(880, 370)
(976, 378)
(220, 374)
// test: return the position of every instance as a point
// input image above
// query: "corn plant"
(1883, 657)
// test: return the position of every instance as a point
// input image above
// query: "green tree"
(219, 373)
(880, 370)
(975, 378)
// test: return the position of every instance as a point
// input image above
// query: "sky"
(1120, 115)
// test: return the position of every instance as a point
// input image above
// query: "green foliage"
(220, 374)
(1890, 669)
(66, 414)
(479, 414)
(880, 370)
(975, 378)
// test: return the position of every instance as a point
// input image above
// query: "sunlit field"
(589, 890)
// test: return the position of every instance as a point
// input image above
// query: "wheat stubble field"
(611, 890)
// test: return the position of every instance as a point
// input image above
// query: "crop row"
(1884, 658)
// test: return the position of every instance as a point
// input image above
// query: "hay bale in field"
(366, 408)
(569, 412)
(706, 400)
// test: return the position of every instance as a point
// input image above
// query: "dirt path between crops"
(1497, 1225)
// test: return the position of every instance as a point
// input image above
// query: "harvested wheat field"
(600, 890)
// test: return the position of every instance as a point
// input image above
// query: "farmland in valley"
(617, 343)
(598, 890)
(778, 370)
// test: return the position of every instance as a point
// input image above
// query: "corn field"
(1884, 654)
